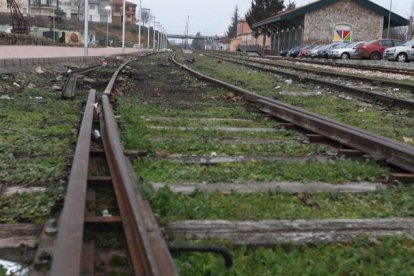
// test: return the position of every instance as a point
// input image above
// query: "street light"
(165, 39)
(162, 38)
(123, 25)
(158, 40)
(108, 8)
(139, 24)
(389, 21)
(152, 18)
(148, 18)
(85, 28)
(153, 42)
(54, 24)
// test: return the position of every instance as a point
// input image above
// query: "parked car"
(346, 52)
(338, 46)
(294, 52)
(324, 51)
(314, 52)
(375, 49)
(305, 51)
(283, 53)
(403, 53)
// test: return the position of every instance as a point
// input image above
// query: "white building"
(98, 11)
(73, 9)
(23, 5)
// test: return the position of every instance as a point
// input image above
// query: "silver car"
(314, 52)
(347, 52)
(403, 53)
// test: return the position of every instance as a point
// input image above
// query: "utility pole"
(139, 24)
(187, 25)
(85, 29)
(54, 25)
(108, 9)
(389, 21)
(153, 42)
(152, 18)
(123, 26)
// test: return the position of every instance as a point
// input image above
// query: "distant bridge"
(188, 36)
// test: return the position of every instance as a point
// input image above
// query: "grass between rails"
(393, 123)
(388, 256)
(200, 146)
(29, 207)
(396, 202)
(138, 135)
(37, 133)
(204, 141)
(333, 171)
(134, 108)
(272, 205)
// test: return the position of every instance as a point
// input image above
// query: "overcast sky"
(212, 17)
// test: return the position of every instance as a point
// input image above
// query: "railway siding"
(214, 168)
(198, 169)
(394, 123)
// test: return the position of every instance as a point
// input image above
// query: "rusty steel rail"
(68, 91)
(148, 251)
(68, 250)
(389, 83)
(392, 152)
(347, 65)
(357, 92)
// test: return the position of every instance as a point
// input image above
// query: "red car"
(305, 51)
(375, 49)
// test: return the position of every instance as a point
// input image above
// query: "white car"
(314, 52)
(347, 52)
(403, 53)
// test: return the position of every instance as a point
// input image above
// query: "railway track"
(68, 91)
(339, 82)
(147, 252)
(214, 172)
(375, 81)
(382, 68)
(375, 145)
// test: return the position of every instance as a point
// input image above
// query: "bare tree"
(145, 14)
(400, 33)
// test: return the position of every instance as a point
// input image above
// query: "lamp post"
(164, 38)
(54, 24)
(149, 31)
(158, 39)
(123, 25)
(148, 18)
(389, 21)
(139, 24)
(85, 28)
(153, 42)
(108, 8)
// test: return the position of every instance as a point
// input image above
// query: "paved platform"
(35, 51)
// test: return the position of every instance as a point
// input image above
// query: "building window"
(92, 7)
(73, 16)
(104, 18)
(90, 18)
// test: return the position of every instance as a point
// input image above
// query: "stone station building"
(325, 21)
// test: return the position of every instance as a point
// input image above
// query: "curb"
(29, 62)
